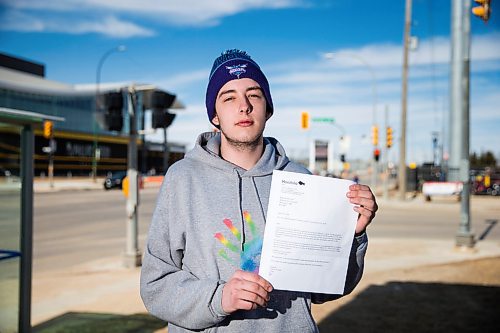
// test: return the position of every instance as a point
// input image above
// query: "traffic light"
(160, 103)
(304, 120)
(48, 129)
(162, 118)
(376, 154)
(482, 11)
(375, 135)
(114, 106)
(388, 137)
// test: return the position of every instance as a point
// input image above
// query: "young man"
(200, 267)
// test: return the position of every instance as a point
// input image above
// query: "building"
(82, 145)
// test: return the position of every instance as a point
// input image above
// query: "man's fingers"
(364, 211)
(252, 277)
(245, 291)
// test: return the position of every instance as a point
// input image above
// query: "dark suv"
(114, 180)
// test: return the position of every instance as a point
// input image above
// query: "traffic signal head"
(162, 118)
(304, 120)
(161, 100)
(48, 129)
(114, 107)
(482, 11)
(375, 135)
(376, 154)
(389, 137)
(160, 103)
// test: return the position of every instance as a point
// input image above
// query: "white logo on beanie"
(237, 70)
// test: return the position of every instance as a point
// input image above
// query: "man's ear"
(215, 120)
(268, 115)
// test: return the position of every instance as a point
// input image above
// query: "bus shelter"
(16, 218)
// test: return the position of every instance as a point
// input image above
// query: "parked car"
(114, 180)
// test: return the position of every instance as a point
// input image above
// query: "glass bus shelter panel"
(10, 230)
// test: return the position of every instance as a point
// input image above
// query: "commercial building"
(82, 145)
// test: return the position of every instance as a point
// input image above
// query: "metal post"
(404, 104)
(50, 170)
(166, 151)
(27, 144)
(132, 253)
(459, 115)
(385, 157)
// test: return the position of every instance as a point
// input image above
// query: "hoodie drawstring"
(258, 199)
(240, 209)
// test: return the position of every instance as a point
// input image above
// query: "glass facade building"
(81, 144)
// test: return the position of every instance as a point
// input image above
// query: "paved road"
(73, 227)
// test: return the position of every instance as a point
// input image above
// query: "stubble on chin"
(244, 145)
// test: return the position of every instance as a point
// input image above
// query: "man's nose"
(245, 106)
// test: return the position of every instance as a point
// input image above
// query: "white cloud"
(109, 26)
(177, 12)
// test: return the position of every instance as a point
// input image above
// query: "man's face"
(241, 112)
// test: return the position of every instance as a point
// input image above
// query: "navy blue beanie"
(232, 65)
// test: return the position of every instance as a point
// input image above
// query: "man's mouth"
(244, 123)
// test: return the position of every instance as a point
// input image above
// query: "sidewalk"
(43, 185)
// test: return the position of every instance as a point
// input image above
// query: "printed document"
(309, 232)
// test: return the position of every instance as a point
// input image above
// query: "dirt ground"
(457, 297)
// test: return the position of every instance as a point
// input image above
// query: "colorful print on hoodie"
(208, 222)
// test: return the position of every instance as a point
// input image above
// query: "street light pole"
(404, 104)
(331, 55)
(95, 150)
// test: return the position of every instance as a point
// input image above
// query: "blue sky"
(172, 44)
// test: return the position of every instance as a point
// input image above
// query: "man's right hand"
(245, 291)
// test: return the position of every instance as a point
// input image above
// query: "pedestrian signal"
(376, 154)
(304, 120)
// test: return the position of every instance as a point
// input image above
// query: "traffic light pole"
(458, 169)
(385, 157)
(132, 257)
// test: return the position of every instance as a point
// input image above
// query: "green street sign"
(323, 120)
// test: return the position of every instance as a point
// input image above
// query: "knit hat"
(231, 65)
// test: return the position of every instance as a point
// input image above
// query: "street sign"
(323, 120)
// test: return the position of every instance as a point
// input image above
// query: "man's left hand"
(366, 206)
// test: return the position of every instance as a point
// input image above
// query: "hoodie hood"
(207, 150)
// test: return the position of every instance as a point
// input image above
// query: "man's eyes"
(230, 98)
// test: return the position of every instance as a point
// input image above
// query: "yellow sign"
(125, 186)
(304, 120)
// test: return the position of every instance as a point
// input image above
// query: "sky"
(172, 44)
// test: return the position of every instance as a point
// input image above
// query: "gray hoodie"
(208, 222)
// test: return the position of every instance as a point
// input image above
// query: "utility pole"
(132, 254)
(459, 114)
(404, 104)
